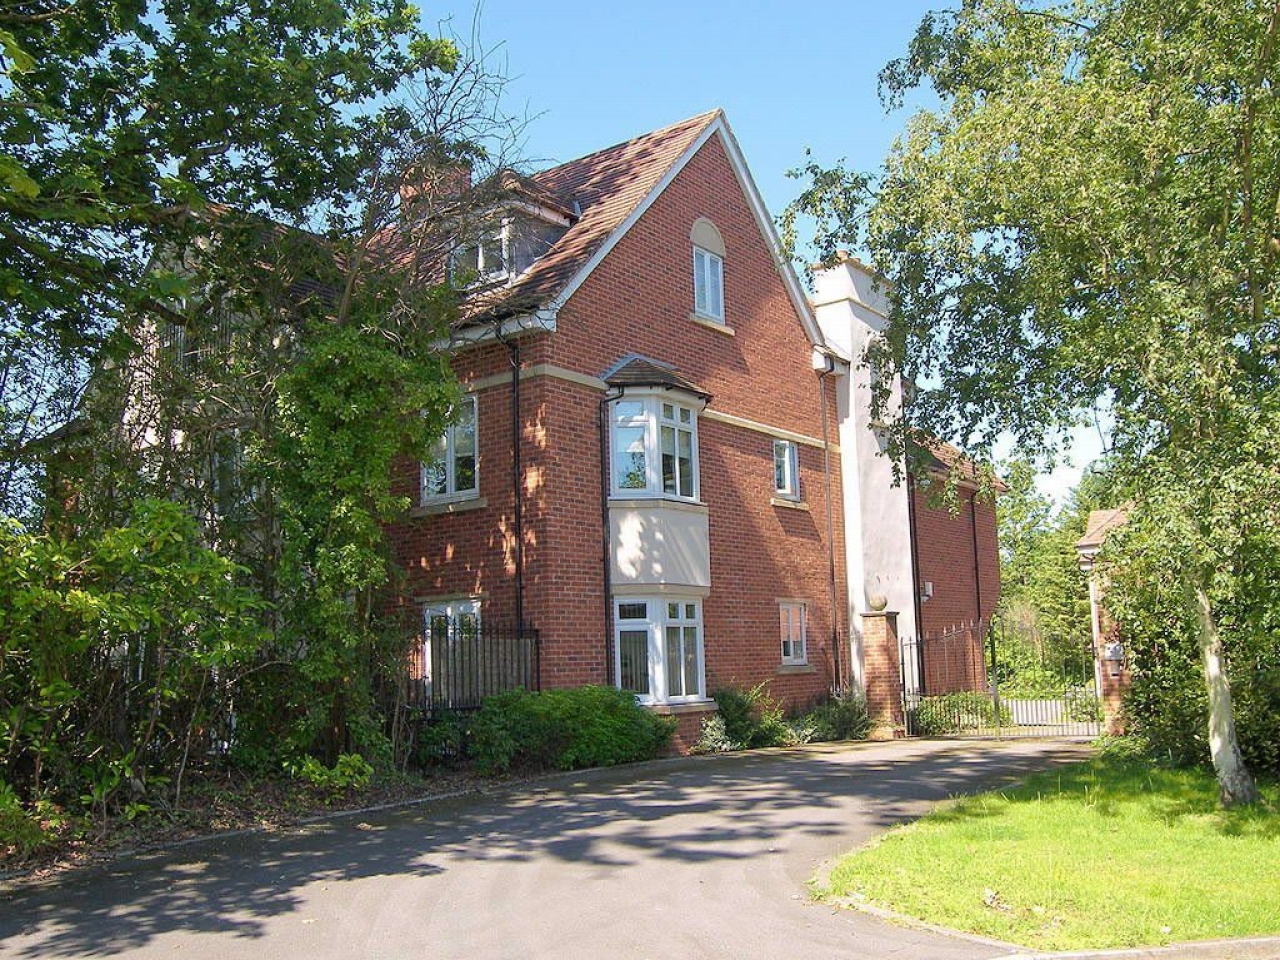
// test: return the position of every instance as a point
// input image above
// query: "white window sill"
(434, 508)
(711, 323)
(788, 503)
(682, 706)
(794, 668)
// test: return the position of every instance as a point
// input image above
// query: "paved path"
(703, 857)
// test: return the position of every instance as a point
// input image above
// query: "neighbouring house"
(1111, 667)
(664, 475)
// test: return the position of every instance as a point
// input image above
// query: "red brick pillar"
(1114, 680)
(882, 673)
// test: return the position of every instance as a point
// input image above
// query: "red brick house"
(653, 464)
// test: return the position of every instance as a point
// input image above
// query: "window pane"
(438, 627)
(633, 659)
(628, 409)
(468, 626)
(691, 611)
(435, 479)
(669, 459)
(714, 289)
(673, 610)
(464, 472)
(466, 262)
(700, 281)
(668, 411)
(675, 673)
(690, 660)
(779, 465)
(686, 416)
(494, 259)
(633, 611)
(629, 460)
(685, 465)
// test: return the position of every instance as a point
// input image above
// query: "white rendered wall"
(877, 521)
(660, 543)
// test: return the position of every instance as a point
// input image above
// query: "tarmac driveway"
(699, 857)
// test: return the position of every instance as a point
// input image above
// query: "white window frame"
(786, 455)
(652, 418)
(501, 232)
(793, 632)
(655, 624)
(449, 455)
(453, 610)
(708, 284)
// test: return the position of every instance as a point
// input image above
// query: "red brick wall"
(638, 300)
(472, 551)
(945, 554)
(965, 589)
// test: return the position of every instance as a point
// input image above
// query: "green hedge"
(592, 726)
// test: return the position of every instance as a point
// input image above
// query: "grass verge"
(1107, 853)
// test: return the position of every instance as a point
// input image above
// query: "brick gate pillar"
(882, 673)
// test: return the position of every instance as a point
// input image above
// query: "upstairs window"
(708, 271)
(451, 473)
(786, 470)
(482, 261)
(506, 249)
(655, 448)
(708, 285)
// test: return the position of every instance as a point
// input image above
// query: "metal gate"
(992, 681)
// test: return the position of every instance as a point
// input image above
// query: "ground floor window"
(793, 629)
(451, 631)
(658, 648)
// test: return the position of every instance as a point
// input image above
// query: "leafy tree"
(224, 231)
(1089, 218)
(122, 122)
(1044, 595)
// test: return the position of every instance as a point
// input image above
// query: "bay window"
(658, 652)
(655, 448)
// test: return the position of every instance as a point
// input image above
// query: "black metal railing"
(954, 684)
(456, 667)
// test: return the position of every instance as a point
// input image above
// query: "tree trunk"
(1235, 783)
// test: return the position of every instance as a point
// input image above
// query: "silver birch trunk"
(1235, 783)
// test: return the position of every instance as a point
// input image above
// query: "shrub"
(749, 718)
(19, 832)
(843, 717)
(715, 737)
(956, 713)
(351, 771)
(592, 726)
(445, 739)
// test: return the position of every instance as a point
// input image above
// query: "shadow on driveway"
(618, 824)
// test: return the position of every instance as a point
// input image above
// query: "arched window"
(708, 270)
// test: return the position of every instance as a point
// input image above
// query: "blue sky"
(789, 76)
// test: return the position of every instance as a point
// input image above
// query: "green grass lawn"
(1101, 854)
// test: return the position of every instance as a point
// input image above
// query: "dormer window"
(708, 271)
(507, 249)
(482, 261)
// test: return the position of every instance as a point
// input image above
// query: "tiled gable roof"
(607, 186)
